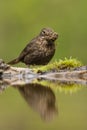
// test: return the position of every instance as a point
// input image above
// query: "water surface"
(43, 105)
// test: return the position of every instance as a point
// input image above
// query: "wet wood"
(23, 75)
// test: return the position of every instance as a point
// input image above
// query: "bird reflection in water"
(41, 99)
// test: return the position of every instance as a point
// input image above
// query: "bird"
(40, 50)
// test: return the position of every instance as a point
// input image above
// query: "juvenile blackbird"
(40, 50)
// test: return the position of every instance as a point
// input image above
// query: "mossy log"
(63, 70)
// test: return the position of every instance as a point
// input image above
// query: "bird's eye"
(43, 32)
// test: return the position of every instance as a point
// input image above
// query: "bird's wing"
(28, 49)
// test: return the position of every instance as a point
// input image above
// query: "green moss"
(59, 86)
(60, 65)
(67, 63)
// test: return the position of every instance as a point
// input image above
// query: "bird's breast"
(45, 50)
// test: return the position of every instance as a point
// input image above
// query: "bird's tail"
(15, 61)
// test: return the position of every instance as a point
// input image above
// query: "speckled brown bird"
(40, 50)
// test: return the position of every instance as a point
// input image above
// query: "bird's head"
(49, 34)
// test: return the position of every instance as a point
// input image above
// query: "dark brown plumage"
(40, 50)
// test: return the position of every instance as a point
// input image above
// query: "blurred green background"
(20, 21)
